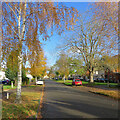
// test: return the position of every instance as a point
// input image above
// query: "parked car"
(56, 78)
(39, 82)
(81, 79)
(60, 78)
(87, 80)
(70, 78)
(6, 82)
(102, 80)
(95, 80)
(76, 82)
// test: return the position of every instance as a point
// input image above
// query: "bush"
(33, 80)
(25, 81)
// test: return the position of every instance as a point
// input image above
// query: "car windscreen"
(77, 80)
(81, 79)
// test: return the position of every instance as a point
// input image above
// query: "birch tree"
(23, 23)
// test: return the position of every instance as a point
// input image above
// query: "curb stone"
(40, 102)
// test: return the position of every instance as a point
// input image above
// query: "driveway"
(62, 101)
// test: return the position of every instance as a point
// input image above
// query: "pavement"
(62, 101)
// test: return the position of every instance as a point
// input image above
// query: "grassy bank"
(110, 93)
(28, 107)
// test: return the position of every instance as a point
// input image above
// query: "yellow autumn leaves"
(38, 67)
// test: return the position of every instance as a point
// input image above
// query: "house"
(99, 74)
(111, 75)
(46, 76)
(29, 76)
(2, 75)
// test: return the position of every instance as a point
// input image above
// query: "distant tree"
(90, 43)
(10, 74)
(109, 62)
(76, 66)
(51, 72)
(57, 73)
(12, 66)
(63, 66)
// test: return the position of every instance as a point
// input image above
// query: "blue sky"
(50, 46)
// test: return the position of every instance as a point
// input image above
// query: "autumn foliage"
(38, 65)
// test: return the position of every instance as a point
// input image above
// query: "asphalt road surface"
(62, 101)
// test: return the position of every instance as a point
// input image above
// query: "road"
(62, 101)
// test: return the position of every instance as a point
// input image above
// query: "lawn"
(7, 87)
(69, 83)
(28, 107)
(98, 83)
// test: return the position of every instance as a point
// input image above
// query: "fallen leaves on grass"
(28, 108)
(111, 93)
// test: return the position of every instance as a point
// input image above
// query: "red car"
(76, 82)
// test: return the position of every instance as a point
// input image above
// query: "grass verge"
(8, 87)
(110, 93)
(69, 83)
(28, 107)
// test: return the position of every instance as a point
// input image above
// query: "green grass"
(8, 87)
(69, 83)
(84, 82)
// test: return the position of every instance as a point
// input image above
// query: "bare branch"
(10, 26)
(12, 10)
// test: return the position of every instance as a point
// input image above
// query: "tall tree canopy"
(107, 14)
(91, 39)
(23, 23)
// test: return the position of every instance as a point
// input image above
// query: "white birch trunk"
(35, 79)
(21, 35)
(19, 82)
(12, 84)
(64, 79)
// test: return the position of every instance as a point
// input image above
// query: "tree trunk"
(19, 82)
(91, 76)
(64, 79)
(11, 84)
(35, 79)
(21, 36)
